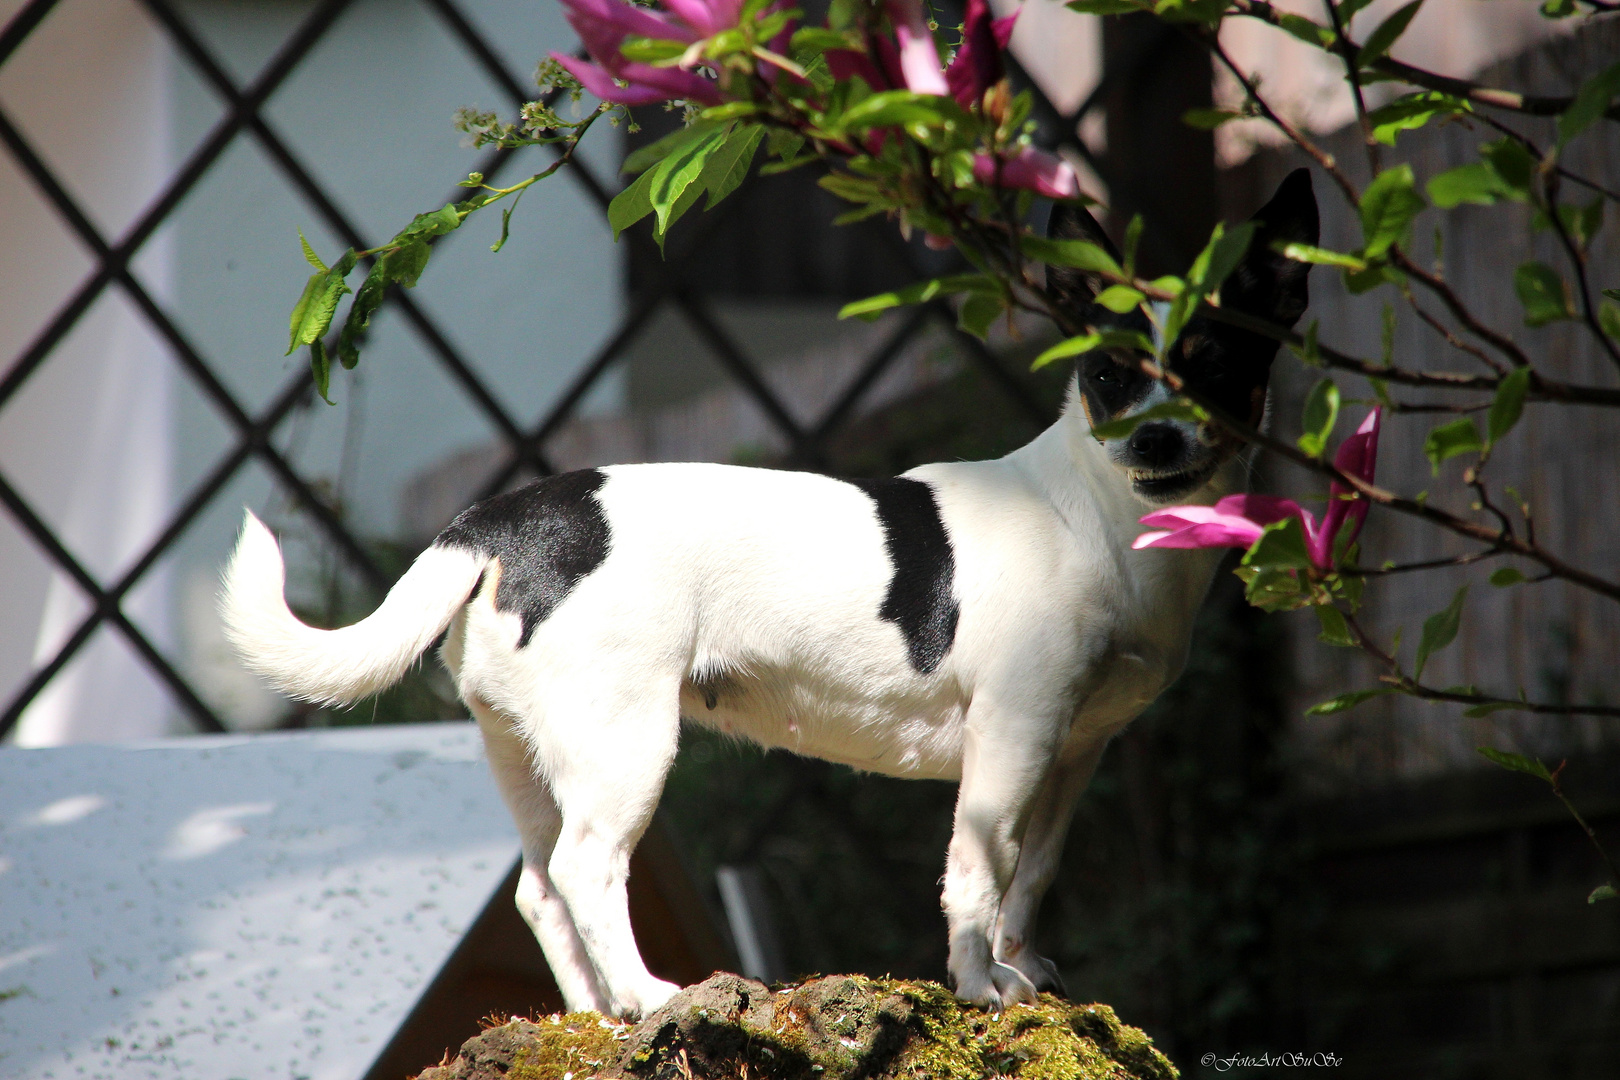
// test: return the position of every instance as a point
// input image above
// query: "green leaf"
(728, 168)
(1477, 183)
(1222, 255)
(1612, 294)
(920, 293)
(979, 312)
(1602, 892)
(1513, 164)
(1309, 32)
(313, 315)
(1508, 405)
(1107, 7)
(631, 205)
(321, 368)
(1590, 102)
(1074, 346)
(309, 253)
(1389, 31)
(433, 223)
(1440, 630)
(1387, 208)
(647, 156)
(1543, 293)
(1079, 254)
(1448, 440)
(1413, 111)
(817, 39)
(1169, 410)
(1335, 630)
(1346, 702)
(1517, 762)
(677, 172)
(1120, 298)
(1305, 253)
(893, 108)
(1321, 414)
(1208, 119)
(1507, 576)
(1609, 318)
(1281, 546)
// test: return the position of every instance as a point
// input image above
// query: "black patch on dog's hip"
(919, 598)
(548, 536)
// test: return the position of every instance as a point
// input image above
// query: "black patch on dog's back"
(919, 598)
(548, 536)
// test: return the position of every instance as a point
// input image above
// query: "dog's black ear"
(1266, 283)
(1075, 289)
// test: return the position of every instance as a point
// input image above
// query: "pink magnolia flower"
(604, 24)
(919, 56)
(1239, 520)
(977, 64)
(1030, 168)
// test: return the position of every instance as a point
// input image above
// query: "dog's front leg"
(1038, 861)
(1003, 766)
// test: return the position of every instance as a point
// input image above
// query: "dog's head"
(1167, 459)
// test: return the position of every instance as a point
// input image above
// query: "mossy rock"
(842, 1027)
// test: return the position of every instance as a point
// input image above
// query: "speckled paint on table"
(236, 907)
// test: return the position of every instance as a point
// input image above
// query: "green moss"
(845, 1027)
(579, 1045)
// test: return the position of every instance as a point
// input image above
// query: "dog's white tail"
(338, 666)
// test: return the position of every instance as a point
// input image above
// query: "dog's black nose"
(1156, 445)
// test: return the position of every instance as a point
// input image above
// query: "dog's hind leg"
(1038, 861)
(606, 748)
(539, 821)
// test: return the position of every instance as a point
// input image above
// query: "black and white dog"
(983, 621)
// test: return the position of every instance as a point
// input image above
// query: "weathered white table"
(236, 907)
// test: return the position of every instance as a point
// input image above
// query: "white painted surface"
(228, 907)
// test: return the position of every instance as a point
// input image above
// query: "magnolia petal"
(919, 56)
(1031, 169)
(1214, 534)
(627, 19)
(1358, 455)
(1148, 539)
(1175, 517)
(977, 64)
(1261, 509)
(674, 82)
(844, 64)
(647, 84)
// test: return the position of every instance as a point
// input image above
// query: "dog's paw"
(646, 999)
(997, 989)
(1012, 985)
(1042, 972)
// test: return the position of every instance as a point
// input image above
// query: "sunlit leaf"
(1387, 208)
(1449, 440)
(1320, 415)
(1348, 701)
